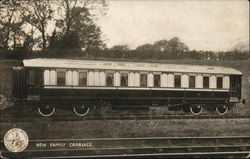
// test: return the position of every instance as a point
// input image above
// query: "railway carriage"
(48, 84)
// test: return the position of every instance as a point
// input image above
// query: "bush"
(4, 102)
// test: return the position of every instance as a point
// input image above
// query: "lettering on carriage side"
(57, 144)
(40, 144)
(64, 144)
(80, 144)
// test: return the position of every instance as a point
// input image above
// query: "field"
(243, 66)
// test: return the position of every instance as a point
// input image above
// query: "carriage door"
(34, 81)
(235, 86)
(19, 82)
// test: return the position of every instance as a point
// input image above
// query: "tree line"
(66, 29)
(170, 49)
(160, 50)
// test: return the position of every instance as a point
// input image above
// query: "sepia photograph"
(124, 79)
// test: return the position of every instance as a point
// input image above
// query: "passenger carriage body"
(73, 83)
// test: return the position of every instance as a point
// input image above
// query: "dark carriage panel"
(121, 96)
(133, 93)
(19, 83)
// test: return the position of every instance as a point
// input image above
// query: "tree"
(120, 48)
(145, 51)
(88, 33)
(69, 10)
(11, 23)
(77, 20)
(119, 51)
(53, 40)
(168, 49)
(175, 47)
(29, 41)
(161, 46)
(69, 41)
(39, 14)
(145, 47)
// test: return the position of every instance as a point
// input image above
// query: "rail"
(34, 117)
(223, 146)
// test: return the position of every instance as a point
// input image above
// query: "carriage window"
(157, 80)
(177, 81)
(82, 78)
(124, 79)
(205, 82)
(60, 78)
(110, 79)
(31, 77)
(219, 82)
(191, 81)
(143, 80)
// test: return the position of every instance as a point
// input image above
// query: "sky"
(216, 25)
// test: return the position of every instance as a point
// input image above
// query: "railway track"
(151, 147)
(34, 117)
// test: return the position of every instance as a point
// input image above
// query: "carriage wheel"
(221, 110)
(46, 111)
(196, 110)
(81, 111)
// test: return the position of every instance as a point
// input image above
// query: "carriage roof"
(127, 66)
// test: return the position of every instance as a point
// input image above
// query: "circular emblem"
(16, 140)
